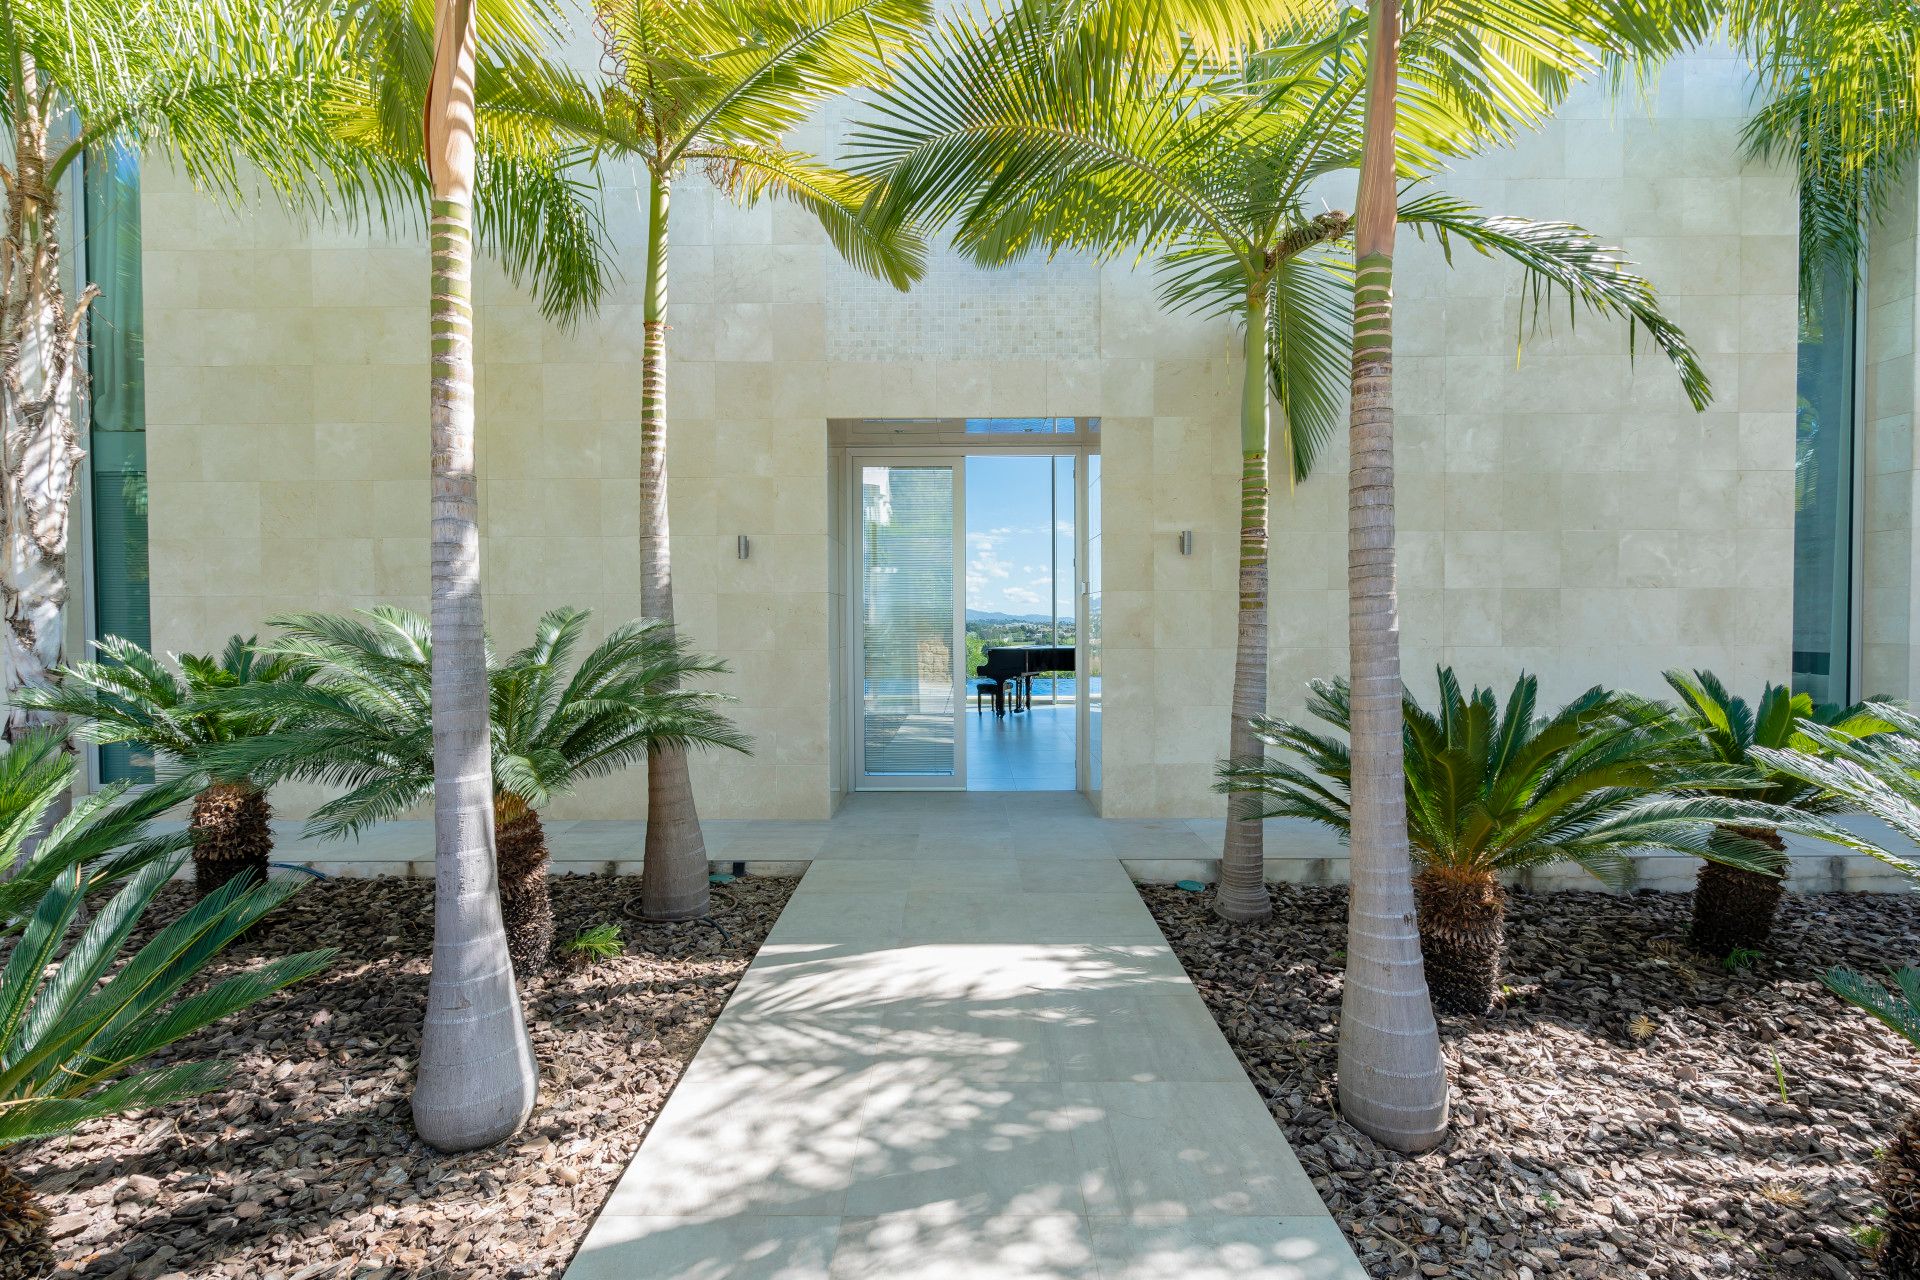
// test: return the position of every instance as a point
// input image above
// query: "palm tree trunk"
(525, 903)
(1463, 934)
(477, 1078)
(41, 389)
(1734, 909)
(1242, 894)
(673, 880)
(26, 1248)
(231, 835)
(1393, 1082)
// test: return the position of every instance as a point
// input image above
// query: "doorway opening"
(1021, 622)
(970, 661)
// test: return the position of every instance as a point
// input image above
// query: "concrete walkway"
(964, 1051)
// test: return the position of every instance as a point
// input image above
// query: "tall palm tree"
(1041, 129)
(1392, 1083)
(715, 85)
(477, 1078)
(1035, 130)
(233, 91)
(363, 724)
(132, 697)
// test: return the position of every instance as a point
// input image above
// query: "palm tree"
(715, 85)
(1033, 131)
(1734, 907)
(477, 1078)
(133, 697)
(77, 1017)
(236, 93)
(1840, 101)
(1487, 793)
(364, 723)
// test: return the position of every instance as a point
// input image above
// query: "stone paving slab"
(972, 1062)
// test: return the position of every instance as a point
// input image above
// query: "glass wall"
(118, 446)
(1824, 441)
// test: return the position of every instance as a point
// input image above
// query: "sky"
(1007, 524)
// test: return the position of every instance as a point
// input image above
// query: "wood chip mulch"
(306, 1166)
(1620, 1114)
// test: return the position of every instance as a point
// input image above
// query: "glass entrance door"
(910, 654)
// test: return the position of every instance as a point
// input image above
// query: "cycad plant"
(364, 724)
(1491, 792)
(712, 88)
(133, 697)
(1878, 775)
(78, 1015)
(1734, 906)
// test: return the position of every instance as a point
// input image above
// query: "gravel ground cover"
(306, 1167)
(1620, 1114)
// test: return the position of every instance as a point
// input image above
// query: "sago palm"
(364, 725)
(1733, 906)
(132, 697)
(712, 87)
(78, 1013)
(1878, 775)
(1491, 792)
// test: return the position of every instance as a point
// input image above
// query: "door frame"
(907, 455)
(858, 779)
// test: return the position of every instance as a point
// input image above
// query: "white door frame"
(947, 453)
(858, 777)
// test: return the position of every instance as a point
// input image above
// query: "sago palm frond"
(1492, 789)
(363, 724)
(77, 1015)
(133, 697)
(1877, 775)
(104, 832)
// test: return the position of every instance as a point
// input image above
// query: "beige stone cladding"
(1565, 512)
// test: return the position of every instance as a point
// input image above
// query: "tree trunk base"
(231, 835)
(1898, 1179)
(526, 907)
(1732, 909)
(673, 878)
(1463, 932)
(26, 1250)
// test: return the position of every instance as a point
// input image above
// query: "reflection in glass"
(118, 437)
(906, 610)
(1823, 493)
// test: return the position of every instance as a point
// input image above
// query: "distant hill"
(982, 615)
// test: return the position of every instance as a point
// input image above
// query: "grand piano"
(1017, 665)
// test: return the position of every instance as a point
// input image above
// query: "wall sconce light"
(742, 546)
(1186, 542)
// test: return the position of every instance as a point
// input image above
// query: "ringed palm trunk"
(1242, 894)
(526, 906)
(1463, 933)
(477, 1078)
(231, 835)
(673, 879)
(41, 386)
(1393, 1082)
(1734, 909)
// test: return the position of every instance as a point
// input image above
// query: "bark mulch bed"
(1619, 1115)
(306, 1167)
